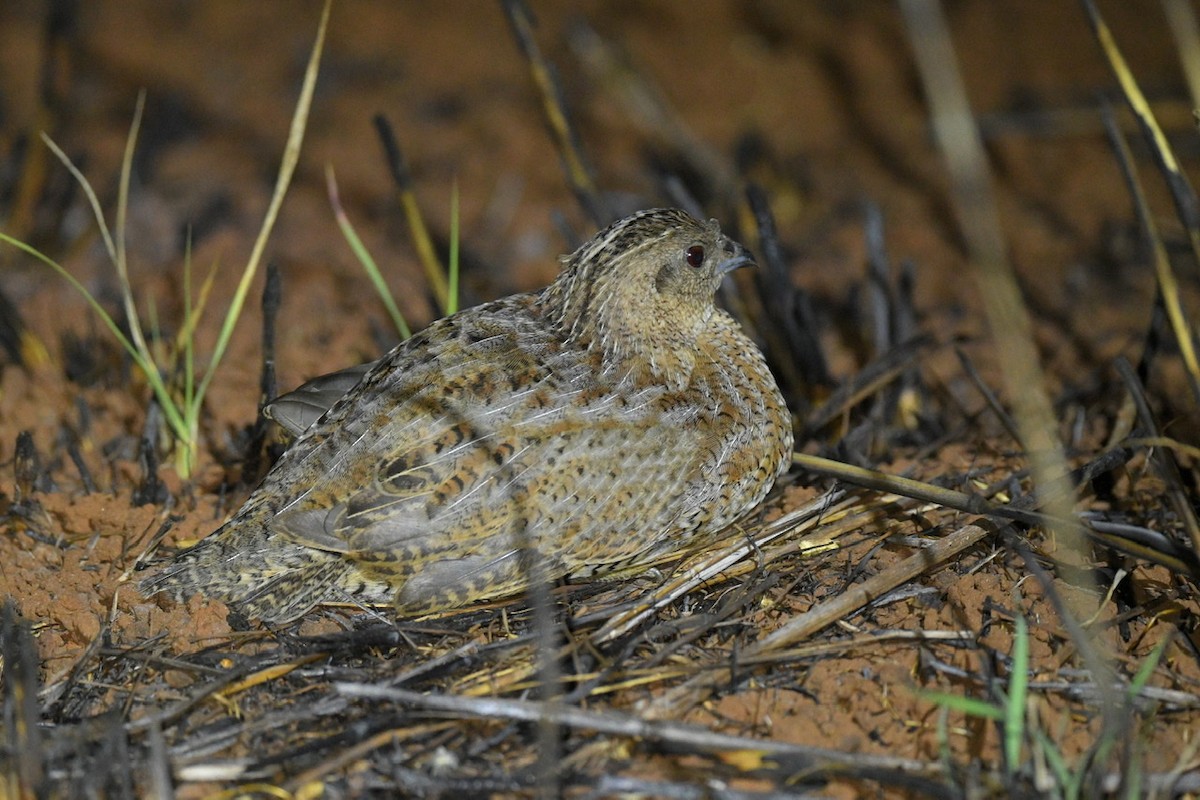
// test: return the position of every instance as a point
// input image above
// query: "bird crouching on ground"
(614, 418)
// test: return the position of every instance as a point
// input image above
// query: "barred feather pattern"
(610, 420)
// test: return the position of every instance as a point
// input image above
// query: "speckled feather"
(607, 421)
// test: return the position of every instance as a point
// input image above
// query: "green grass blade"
(108, 321)
(1067, 780)
(189, 339)
(121, 262)
(1142, 676)
(968, 706)
(156, 333)
(452, 281)
(170, 412)
(364, 256)
(1018, 685)
(88, 192)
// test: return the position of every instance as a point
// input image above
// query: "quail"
(606, 422)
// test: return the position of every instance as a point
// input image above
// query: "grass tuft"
(181, 404)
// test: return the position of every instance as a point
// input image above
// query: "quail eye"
(695, 256)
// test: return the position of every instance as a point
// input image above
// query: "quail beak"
(739, 258)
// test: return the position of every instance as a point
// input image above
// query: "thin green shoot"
(943, 739)
(1070, 781)
(194, 312)
(1018, 691)
(156, 331)
(452, 288)
(1142, 676)
(189, 343)
(120, 261)
(968, 706)
(450, 279)
(364, 255)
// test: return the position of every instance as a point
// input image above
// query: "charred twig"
(578, 172)
(794, 341)
(1187, 205)
(435, 273)
(989, 396)
(648, 108)
(22, 712)
(1166, 299)
(865, 383)
(271, 300)
(1147, 544)
(1163, 459)
(677, 737)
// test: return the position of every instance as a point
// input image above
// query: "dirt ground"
(819, 103)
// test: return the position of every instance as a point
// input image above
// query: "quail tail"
(272, 581)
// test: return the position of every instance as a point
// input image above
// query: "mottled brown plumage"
(606, 422)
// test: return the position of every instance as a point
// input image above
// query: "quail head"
(605, 423)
